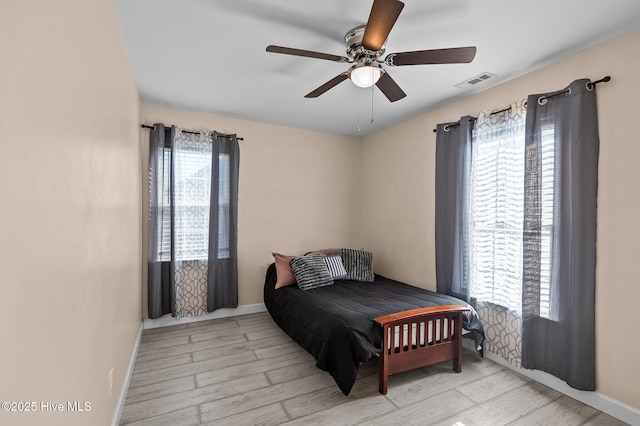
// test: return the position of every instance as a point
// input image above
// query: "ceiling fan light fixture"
(365, 75)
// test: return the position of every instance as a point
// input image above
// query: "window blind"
(496, 211)
(192, 189)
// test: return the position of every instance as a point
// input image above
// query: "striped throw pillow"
(336, 268)
(358, 263)
(311, 271)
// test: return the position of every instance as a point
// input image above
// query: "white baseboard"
(168, 320)
(127, 379)
(596, 400)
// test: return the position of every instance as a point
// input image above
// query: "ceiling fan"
(365, 46)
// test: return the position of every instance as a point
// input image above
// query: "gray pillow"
(311, 271)
(358, 263)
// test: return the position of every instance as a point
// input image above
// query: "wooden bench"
(420, 337)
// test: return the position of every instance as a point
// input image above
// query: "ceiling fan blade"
(390, 88)
(328, 85)
(383, 16)
(456, 55)
(306, 53)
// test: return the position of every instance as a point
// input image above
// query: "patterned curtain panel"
(502, 329)
(191, 288)
(495, 217)
(190, 209)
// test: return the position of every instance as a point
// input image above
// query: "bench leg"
(457, 356)
(457, 364)
(383, 376)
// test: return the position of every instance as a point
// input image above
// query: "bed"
(337, 325)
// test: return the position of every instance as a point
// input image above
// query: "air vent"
(474, 81)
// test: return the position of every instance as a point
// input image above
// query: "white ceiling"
(209, 55)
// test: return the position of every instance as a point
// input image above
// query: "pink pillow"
(284, 273)
(327, 252)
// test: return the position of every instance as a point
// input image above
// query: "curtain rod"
(145, 126)
(590, 86)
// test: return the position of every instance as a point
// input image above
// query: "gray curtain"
(453, 166)
(182, 282)
(222, 289)
(560, 337)
(160, 279)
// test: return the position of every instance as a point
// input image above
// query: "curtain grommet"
(446, 128)
(542, 100)
(590, 86)
(568, 92)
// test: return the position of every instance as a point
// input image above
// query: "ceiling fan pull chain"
(358, 113)
(372, 104)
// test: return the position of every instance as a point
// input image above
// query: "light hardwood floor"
(245, 371)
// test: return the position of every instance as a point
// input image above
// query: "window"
(192, 191)
(496, 211)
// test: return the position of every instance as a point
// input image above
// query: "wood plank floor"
(245, 371)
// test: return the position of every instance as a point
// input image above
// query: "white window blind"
(496, 211)
(192, 190)
(548, 298)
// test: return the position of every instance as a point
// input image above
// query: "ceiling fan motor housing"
(355, 49)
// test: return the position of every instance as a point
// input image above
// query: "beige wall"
(70, 215)
(398, 167)
(297, 191)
